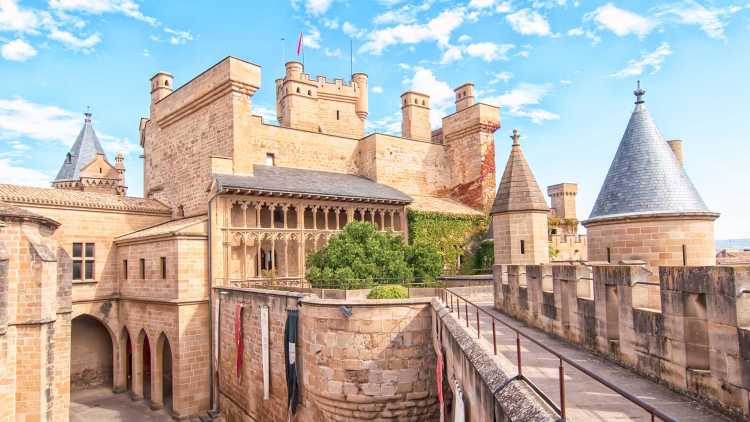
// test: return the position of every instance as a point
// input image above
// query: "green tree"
(361, 257)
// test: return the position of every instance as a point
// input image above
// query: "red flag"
(239, 344)
(299, 44)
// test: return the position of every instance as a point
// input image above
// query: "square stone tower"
(563, 197)
(415, 116)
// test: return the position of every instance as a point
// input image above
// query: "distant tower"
(519, 214)
(464, 96)
(415, 116)
(161, 86)
(86, 168)
(320, 105)
(648, 209)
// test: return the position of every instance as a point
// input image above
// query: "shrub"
(360, 257)
(388, 291)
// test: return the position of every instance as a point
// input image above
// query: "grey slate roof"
(82, 152)
(284, 181)
(645, 176)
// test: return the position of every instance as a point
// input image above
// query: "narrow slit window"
(125, 269)
(163, 267)
(684, 255)
(609, 255)
(143, 268)
(523, 247)
(337, 115)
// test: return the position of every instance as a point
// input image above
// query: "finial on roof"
(639, 93)
(87, 114)
(515, 137)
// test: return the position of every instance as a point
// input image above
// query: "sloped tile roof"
(9, 210)
(645, 176)
(188, 226)
(82, 153)
(284, 181)
(518, 190)
(441, 205)
(17, 194)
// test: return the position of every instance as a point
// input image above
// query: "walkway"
(100, 404)
(586, 399)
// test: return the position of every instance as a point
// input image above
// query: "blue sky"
(562, 71)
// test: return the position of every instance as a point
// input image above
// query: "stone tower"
(415, 116)
(318, 105)
(648, 209)
(519, 214)
(86, 167)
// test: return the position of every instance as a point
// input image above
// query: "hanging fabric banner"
(290, 354)
(439, 368)
(239, 346)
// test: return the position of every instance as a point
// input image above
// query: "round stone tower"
(648, 209)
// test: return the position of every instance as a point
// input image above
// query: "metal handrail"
(561, 410)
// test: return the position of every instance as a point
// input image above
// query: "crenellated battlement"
(689, 329)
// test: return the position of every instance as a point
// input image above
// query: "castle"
(113, 290)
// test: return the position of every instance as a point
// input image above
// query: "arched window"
(166, 83)
(297, 90)
(309, 92)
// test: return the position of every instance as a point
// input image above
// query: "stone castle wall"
(510, 229)
(696, 343)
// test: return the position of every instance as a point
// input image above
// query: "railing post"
(477, 308)
(494, 339)
(562, 390)
(466, 312)
(518, 353)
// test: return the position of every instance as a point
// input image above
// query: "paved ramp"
(586, 399)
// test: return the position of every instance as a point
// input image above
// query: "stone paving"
(100, 404)
(586, 399)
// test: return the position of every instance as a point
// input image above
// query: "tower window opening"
(415, 101)
(166, 83)
(297, 90)
(270, 159)
(684, 255)
(337, 115)
(523, 247)
(309, 92)
(609, 255)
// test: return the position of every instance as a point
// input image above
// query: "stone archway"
(162, 374)
(125, 356)
(91, 353)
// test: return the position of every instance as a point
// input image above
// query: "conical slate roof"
(645, 176)
(82, 153)
(518, 189)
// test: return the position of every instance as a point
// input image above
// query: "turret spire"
(639, 94)
(515, 137)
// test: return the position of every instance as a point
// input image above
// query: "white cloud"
(311, 38)
(331, 23)
(17, 175)
(565, 82)
(501, 77)
(17, 50)
(651, 60)
(404, 14)
(317, 7)
(390, 124)
(332, 53)
(529, 22)
(438, 29)
(376, 89)
(464, 38)
(517, 100)
(489, 51)
(97, 7)
(352, 30)
(451, 54)
(441, 95)
(587, 33)
(16, 19)
(481, 4)
(710, 20)
(268, 114)
(20, 118)
(178, 37)
(74, 42)
(621, 22)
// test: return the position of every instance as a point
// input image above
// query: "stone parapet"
(689, 330)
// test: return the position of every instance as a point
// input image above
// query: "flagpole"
(283, 51)
(351, 58)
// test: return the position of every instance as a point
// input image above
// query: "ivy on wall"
(449, 233)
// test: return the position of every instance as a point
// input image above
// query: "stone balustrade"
(691, 330)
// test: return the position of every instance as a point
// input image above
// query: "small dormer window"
(68, 159)
(270, 159)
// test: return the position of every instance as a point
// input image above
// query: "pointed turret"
(86, 166)
(519, 213)
(648, 209)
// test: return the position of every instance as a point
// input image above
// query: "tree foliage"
(448, 233)
(388, 291)
(360, 257)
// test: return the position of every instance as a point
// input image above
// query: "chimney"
(464, 96)
(415, 116)
(676, 145)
